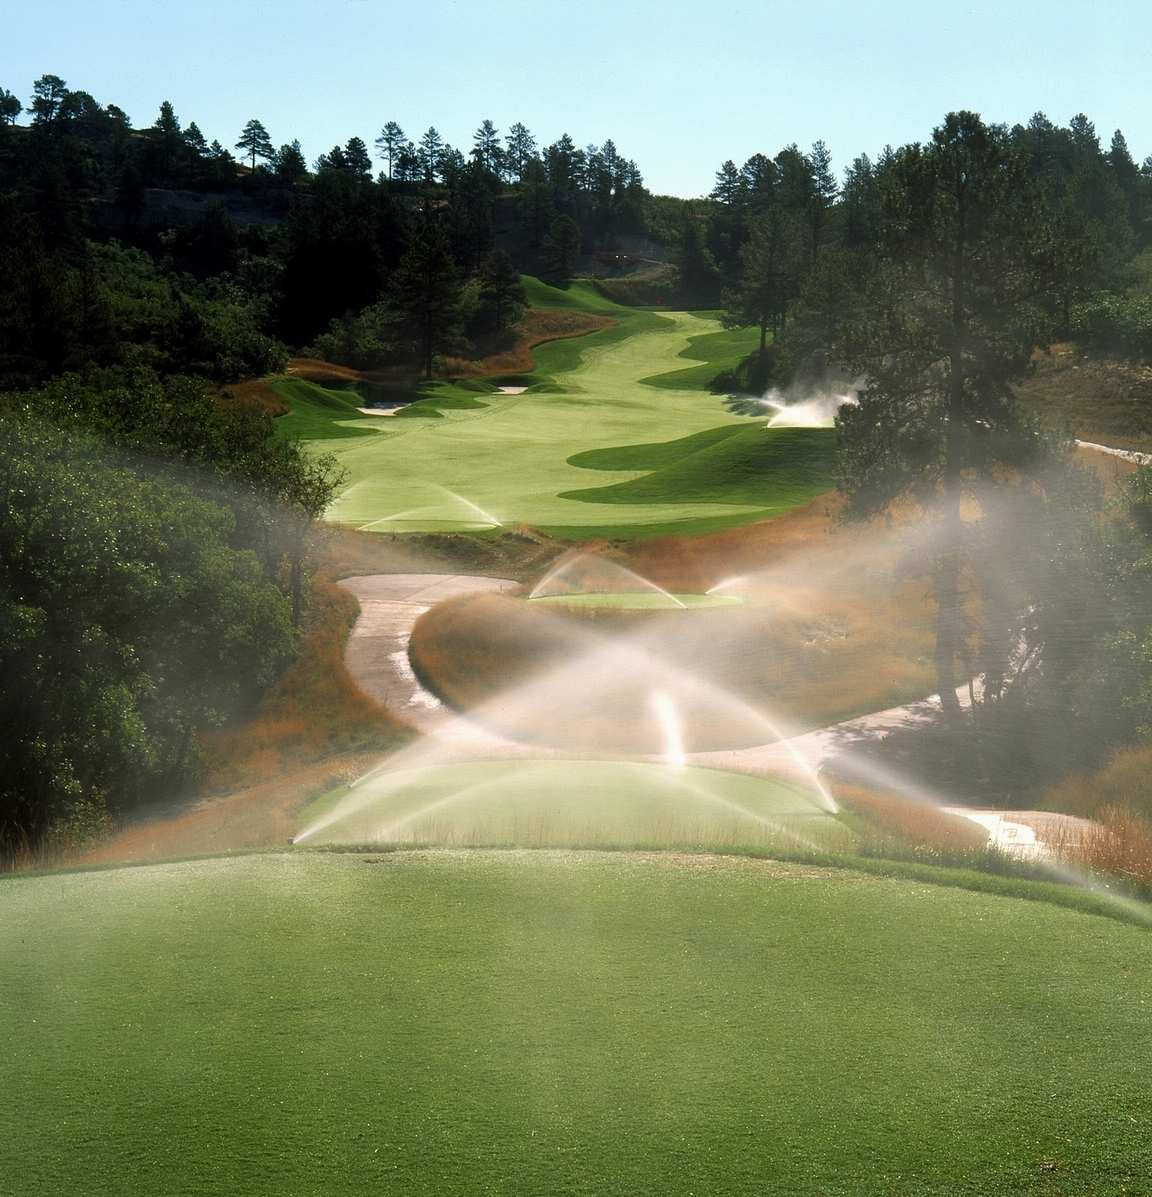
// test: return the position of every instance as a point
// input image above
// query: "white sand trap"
(511, 390)
(1125, 454)
(382, 411)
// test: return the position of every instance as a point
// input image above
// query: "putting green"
(574, 804)
(641, 600)
(460, 1023)
(509, 456)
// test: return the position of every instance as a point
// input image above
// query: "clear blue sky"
(679, 85)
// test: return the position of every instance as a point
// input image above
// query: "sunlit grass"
(575, 804)
(456, 1023)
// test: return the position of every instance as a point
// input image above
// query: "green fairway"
(574, 804)
(526, 459)
(457, 1023)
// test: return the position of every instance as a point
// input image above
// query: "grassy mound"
(716, 352)
(460, 1023)
(566, 804)
(775, 467)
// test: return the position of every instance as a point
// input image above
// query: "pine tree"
(390, 143)
(521, 147)
(10, 107)
(769, 277)
(823, 195)
(195, 140)
(431, 148)
(728, 184)
(424, 292)
(561, 250)
(501, 290)
(48, 94)
(256, 143)
(486, 145)
(940, 317)
(170, 138)
(289, 163)
(699, 278)
(356, 158)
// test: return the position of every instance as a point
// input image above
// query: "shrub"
(1115, 324)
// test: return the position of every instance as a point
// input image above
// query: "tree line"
(932, 276)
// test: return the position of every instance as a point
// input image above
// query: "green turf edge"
(1116, 906)
(716, 352)
(1103, 902)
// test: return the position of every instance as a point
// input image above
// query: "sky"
(680, 86)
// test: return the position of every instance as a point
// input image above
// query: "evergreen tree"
(728, 184)
(486, 145)
(10, 107)
(431, 148)
(823, 197)
(940, 319)
(256, 143)
(561, 249)
(290, 164)
(521, 147)
(48, 93)
(356, 158)
(699, 278)
(424, 292)
(390, 143)
(769, 278)
(169, 138)
(195, 140)
(501, 291)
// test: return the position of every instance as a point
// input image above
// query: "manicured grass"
(513, 455)
(784, 467)
(320, 413)
(639, 600)
(716, 352)
(574, 804)
(484, 1022)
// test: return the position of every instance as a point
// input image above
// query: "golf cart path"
(377, 659)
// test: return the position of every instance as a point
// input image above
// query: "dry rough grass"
(1119, 845)
(692, 564)
(1108, 402)
(1125, 781)
(917, 825)
(513, 355)
(258, 393)
(314, 711)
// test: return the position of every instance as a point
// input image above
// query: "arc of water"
(672, 728)
(486, 516)
(772, 824)
(569, 564)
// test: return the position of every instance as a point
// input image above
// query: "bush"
(128, 624)
(1119, 325)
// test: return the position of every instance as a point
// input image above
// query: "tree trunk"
(949, 613)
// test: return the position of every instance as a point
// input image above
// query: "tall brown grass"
(1118, 798)
(919, 826)
(314, 711)
(1119, 845)
(1125, 781)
